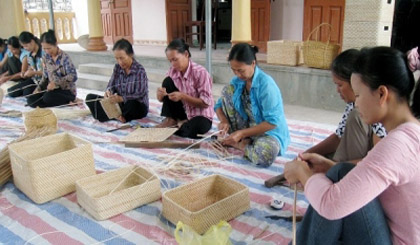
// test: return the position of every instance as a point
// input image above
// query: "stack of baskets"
(368, 23)
(48, 167)
(205, 202)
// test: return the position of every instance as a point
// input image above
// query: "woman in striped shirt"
(128, 87)
(58, 83)
(186, 93)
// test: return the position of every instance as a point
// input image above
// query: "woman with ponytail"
(186, 93)
(375, 201)
(58, 83)
(250, 109)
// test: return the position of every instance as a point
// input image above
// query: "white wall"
(286, 20)
(149, 22)
(81, 12)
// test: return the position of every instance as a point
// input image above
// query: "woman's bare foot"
(167, 123)
(179, 123)
(121, 119)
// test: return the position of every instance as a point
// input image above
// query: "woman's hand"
(233, 138)
(176, 96)
(51, 86)
(224, 127)
(115, 98)
(297, 171)
(160, 93)
(29, 73)
(316, 162)
(107, 94)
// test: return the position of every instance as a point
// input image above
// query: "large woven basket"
(318, 54)
(39, 118)
(205, 202)
(48, 167)
(114, 192)
(284, 52)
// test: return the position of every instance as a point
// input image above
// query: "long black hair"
(14, 42)
(49, 37)
(343, 65)
(179, 45)
(243, 52)
(389, 67)
(26, 37)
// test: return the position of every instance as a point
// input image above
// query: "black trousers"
(13, 65)
(51, 98)
(130, 110)
(175, 110)
(22, 88)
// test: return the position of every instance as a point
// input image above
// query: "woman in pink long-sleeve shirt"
(347, 201)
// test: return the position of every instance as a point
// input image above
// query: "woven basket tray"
(148, 135)
(114, 192)
(284, 52)
(48, 167)
(205, 202)
(112, 110)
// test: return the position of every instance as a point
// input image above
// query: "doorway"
(116, 20)
(324, 11)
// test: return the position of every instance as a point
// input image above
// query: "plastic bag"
(216, 235)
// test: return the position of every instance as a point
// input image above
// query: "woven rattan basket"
(112, 110)
(48, 167)
(114, 192)
(318, 54)
(205, 202)
(39, 118)
(284, 52)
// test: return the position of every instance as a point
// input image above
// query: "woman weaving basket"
(16, 62)
(375, 201)
(186, 93)
(127, 89)
(251, 109)
(33, 73)
(58, 83)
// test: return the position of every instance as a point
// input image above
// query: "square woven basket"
(284, 52)
(205, 202)
(117, 191)
(48, 167)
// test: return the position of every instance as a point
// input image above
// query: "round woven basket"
(39, 118)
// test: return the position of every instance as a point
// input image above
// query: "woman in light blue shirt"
(16, 61)
(33, 74)
(251, 110)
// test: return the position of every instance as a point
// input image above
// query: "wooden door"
(116, 20)
(260, 23)
(178, 12)
(324, 11)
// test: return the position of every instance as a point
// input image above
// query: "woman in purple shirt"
(127, 87)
